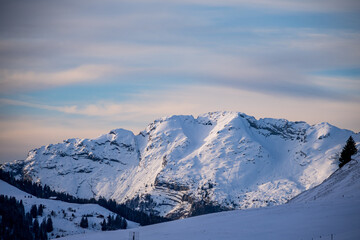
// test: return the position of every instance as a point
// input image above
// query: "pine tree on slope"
(33, 211)
(49, 225)
(84, 222)
(348, 150)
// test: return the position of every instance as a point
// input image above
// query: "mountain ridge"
(329, 211)
(225, 159)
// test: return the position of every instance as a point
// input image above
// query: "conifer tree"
(36, 228)
(49, 225)
(40, 210)
(33, 211)
(117, 222)
(21, 207)
(84, 222)
(348, 150)
(123, 223)
(14, 223)
(109, 223)
(43, 235)
(103, 225)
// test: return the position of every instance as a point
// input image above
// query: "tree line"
(15, 223)
(45, 192)
(113, 223)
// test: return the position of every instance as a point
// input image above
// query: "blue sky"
(81, 68)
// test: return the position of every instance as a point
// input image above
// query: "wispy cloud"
(18, 135)
(123, 63)
(197, 99)
(295, 5)
(65, 109)
(19, 80)
(280, 64)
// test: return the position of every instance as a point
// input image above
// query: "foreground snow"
(330, 210)
(67, 216)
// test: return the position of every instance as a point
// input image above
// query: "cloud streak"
(296, 5)
(19, 80)
(90, 120)
(100, 65)
(283, 65)
(18, 135)
(198, 99)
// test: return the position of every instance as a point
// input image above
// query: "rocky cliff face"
(178, 164)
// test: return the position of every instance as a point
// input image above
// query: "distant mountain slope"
(67, 216)
(329, 216)
(221, 158)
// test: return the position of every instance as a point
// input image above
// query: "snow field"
(67, 216)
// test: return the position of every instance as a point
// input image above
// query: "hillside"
(179, 164)
(66, 216)
(330, 211)
(343, 183)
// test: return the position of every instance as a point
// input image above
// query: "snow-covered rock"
(328, 211)
(228, 159)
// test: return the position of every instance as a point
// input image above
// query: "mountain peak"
(227, 159)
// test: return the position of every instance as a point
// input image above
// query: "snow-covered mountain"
(329, 211)
(221, 158)
(65, 216)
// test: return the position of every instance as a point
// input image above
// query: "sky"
(81, 68)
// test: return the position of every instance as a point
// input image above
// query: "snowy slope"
(225, 158)
(67, 215)
(334, 214)
(343, 183)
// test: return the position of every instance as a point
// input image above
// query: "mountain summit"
(178, 164)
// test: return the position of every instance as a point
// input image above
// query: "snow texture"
(329, 211)
(225, 158)
(66, 217)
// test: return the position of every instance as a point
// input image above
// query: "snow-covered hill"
(343, 183)
(66, 216)
(224, 158)
(330, 211)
